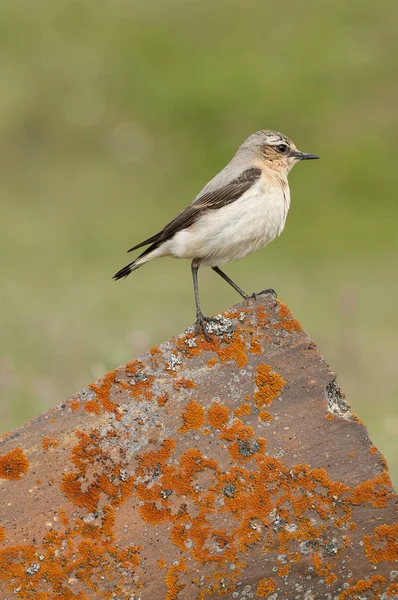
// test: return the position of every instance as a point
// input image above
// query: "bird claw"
(201, 324)
(263, 292)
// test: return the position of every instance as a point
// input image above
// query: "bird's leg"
(231, 283)
(238, 289)
(201, 320)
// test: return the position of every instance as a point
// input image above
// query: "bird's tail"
(149, 254)
(133, 266)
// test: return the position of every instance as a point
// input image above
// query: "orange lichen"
(179, 536)
(373, 450)
(48, 442)
(154, 515)
(79, 549)
(217, 415)
(163, 399)
(187, 346)
(296, 494)
(245, 446)
(384, 544)
(243, 409)
(141, 383)
(155, 351)
(191, 463)
(71, 487)
(374, 490)
(289, 325)
(265, 415)
(265, 587)
(287, 321)
(211, 362)
(357, 419)
(85, 455)
(150, 460)
(227, 349)
(269, 385)
(74, 404)
(323, 568)
(392, 591)
(14, 464)
(262, 317)
(284, 570)
(162, 563)
(186, 384)
(64, 518)
(237, 431)
(193, 417)
(255, 346)
(156, 358)
(235, 350)
(171, 580)
(374, 584)
(330, 417)
(284, 311)
(65, 558)
(102, 391)
(2, 534)
(330, 578)
(92, 407)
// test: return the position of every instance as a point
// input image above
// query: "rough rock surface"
(202, 470)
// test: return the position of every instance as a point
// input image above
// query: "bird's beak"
(303, 155)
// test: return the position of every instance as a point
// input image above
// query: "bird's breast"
(261, 212)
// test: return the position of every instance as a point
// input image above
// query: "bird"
(242, 209)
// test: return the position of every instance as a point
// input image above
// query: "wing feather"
(211, 200)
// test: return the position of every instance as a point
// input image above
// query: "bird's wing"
(211, 200)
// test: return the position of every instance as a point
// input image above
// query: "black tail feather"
(137, 263)
(123, 273)
(151, 240)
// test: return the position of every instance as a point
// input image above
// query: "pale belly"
(230, 233)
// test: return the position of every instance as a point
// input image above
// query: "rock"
(202, 470)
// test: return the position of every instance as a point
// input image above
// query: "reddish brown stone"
(202, 470)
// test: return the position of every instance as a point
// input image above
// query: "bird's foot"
(201, 324)
(270, 291)
(246, 296)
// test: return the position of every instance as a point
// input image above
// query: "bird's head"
(274, 150)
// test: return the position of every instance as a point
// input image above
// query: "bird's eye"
(282, 148)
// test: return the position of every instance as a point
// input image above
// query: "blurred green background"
(113, 115)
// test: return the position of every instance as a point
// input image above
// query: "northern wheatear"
(240, 210)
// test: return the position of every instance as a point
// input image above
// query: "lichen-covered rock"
(202, 470)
